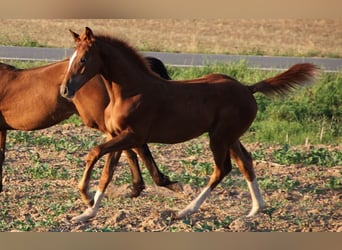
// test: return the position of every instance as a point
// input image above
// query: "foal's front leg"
(111, 162)
(114, 146)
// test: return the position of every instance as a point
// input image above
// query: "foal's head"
(84, 63)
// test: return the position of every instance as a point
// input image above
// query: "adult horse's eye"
(83, 59)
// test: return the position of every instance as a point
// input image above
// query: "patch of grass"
(194, 149)
(287, 155)
(335, 183)
(46, 171)
(268, 183)
(316, 156)
(25, 41)
(74, 119)
(124, 178)
(272, 183)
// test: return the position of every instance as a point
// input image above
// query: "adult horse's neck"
(123, 67)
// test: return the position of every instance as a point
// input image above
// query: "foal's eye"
(83, 59)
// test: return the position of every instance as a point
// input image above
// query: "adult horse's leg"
(222, 167)
(159, 178)
(2, 153)
(137, 180)
(244, 162)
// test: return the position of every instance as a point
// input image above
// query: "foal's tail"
(298, 74)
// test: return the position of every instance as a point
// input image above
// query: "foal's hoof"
(255, 210)
(183, 213)
(85, 216)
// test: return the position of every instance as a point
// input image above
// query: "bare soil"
(299, 37)
(47, 204)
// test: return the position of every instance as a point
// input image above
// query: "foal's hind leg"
(158, 177)
(245, 163)
(222, 167)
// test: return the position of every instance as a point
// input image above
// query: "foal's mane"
(129, 51)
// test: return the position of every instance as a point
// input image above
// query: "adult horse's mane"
(4, 66)
(128, 50)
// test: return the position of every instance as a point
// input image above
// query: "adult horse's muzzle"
(66, 92)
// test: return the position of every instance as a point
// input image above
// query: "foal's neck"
(124, 68)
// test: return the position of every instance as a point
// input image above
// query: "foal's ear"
(89, 34)
(75, 36)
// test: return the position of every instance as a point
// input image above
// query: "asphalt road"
(177, 59)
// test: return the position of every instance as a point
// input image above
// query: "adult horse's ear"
(89, 34)
(75, 36)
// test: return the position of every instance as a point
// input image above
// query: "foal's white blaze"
(257, 200)
(195, 204)
(72, 58)
(91, 211)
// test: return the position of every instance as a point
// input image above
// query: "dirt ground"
(35, 198)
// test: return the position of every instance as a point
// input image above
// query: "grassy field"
(295, 141)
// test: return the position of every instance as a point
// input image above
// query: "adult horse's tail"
(298, 74)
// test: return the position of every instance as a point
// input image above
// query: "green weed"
(316, 156)
(335, 183)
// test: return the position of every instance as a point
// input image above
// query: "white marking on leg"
(257, 200)
(97, 199)
(195, 204)
(90, 211)
(72, 58)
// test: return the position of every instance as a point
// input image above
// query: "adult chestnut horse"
(150, 109)
(30, 100)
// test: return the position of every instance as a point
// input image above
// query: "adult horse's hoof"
(175, 187)
(136, 191)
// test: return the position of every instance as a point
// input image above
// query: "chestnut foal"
(144, 108)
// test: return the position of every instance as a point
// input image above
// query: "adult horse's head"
(83, 64)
